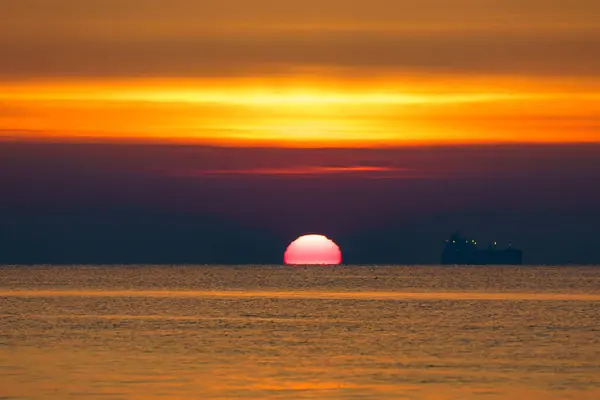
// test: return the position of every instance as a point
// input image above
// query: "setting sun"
(313, 250)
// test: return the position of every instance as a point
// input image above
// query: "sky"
(219, 131)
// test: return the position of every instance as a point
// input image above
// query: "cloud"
(305, 171)
(11, 110)
(184, 38)
(126, 18)
(351, 53)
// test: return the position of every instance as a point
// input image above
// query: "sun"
(313, 250)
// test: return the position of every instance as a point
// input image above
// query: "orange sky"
(300, 73)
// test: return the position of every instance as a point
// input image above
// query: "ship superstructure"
(461, 251)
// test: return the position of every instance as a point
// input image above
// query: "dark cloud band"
(355, 53)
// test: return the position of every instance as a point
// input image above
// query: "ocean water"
(275, 332)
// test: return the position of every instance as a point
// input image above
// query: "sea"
(283, 332)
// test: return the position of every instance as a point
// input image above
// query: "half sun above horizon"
(313, 250)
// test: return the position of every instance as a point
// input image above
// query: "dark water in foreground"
(212, 332)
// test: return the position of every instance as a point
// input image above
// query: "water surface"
(271, 332)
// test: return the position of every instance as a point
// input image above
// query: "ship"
(461, 251)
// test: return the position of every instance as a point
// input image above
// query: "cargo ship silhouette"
(461, 251)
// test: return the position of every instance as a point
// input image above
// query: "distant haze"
(157, 203)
